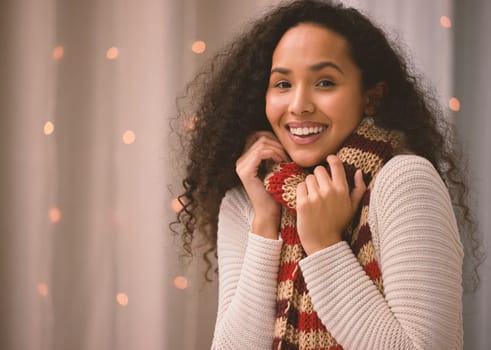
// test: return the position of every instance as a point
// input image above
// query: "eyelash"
(285, 84)
(281, 85)
(329, 83)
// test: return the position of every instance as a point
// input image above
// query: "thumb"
(358, 190)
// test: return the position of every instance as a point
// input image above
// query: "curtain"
(87, 90)
(89, 161)
(472, 76)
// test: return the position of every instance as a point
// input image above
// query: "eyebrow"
(316, 67)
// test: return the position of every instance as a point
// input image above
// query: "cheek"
(343, 107)
(275, 107)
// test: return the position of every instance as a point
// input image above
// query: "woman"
(318, 171)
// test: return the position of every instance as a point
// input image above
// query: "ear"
(374, 97)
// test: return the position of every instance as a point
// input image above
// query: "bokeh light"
(198, 46)
(112, 53)
(454, 104)
(49, 128)
(122, 299)
(191, 122)
(54, 215)
(180, 282)
(129, 137)
(42, 289)
(176, 205)
(445, 22)
(58, 53)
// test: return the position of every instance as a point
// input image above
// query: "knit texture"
(297, 324)
(417, 245)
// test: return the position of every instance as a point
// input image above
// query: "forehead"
(308, 41)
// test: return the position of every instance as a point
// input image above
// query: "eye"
(325, 83)
(282, 85)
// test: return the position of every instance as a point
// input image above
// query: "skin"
(315, 89)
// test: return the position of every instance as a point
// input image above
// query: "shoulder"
(408, 165)
(235, 208)
(236, 198)
(410, 198)
(405, 173)
(237, 193)
(407, 189)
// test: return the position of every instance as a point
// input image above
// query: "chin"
(308, 162)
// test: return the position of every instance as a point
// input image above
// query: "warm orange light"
(198, 46)
(54, 215)
(191, 122)
(180, 282)
(49, 128)
(129, 137)
(176, 205)
(454, 104)
(112, 53)
(58, 52)
(42, 289)
(122, 299)
(445, 22)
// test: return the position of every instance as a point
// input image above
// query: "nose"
(301, 103)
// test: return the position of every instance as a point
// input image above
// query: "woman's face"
(314, 98)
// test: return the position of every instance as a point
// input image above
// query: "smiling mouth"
(306, 131)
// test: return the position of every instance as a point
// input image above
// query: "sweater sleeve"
(420, 254)
(248, 271)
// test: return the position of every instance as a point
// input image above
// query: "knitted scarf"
(297, 324)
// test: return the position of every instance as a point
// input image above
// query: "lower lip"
(305, 140)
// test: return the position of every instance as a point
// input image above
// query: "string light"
(112, 53)
(198, 47)
(129, 137)
(445, 22)
(191, 123)
(122, 299)
(454, 104)
(180, 282)
(54, 215)
(49, 128)
(176, 205)
(42, 289)
(58, 53)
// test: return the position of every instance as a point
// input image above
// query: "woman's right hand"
(261, 146)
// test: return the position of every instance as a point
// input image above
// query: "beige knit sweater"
(417, 242)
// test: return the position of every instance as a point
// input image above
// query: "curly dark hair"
(226, 102)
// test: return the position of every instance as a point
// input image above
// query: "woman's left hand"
(325, 205)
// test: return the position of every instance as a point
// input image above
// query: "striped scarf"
(297, 324)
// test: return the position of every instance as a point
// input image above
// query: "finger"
(253, 159)
(265, 133)
(322, 176)
(301, 193)
(260, 140)
(257, 135)
(254, 163)
(312, 185)
(278, 151)
(264, 142)
(338, 174)
(359, 189)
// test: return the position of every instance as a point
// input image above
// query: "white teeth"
(307, 131)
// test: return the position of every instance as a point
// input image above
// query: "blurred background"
(88, 164)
